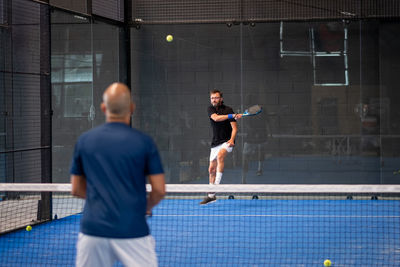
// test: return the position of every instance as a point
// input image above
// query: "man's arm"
(157, 193)
(215, 117)
(78, 183)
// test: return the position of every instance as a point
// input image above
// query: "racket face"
(253, 110)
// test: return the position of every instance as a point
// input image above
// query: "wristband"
(230, 116)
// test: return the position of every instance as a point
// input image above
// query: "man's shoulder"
(226, 109)
(90, 134)
(142, 136)
(114, 127)
(91, 131)
(211, 110)
(221, 107)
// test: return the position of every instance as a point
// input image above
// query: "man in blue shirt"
(109, 169)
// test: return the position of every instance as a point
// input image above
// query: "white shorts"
(215, 150)
(94, 251)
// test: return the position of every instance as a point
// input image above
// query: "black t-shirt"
(222, 130)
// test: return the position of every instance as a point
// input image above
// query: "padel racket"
(253, 110)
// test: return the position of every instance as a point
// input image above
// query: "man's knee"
(212, 169)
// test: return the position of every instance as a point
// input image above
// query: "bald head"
(117, 103)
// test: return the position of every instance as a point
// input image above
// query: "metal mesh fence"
(158, 12)
(181, 11)
(112, 9)
(2, 12)
(25, 94)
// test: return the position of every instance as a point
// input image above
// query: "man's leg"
(93, 251)
(216, 169)
(212, 173)
(224, 150)
(212, 169)
(220, 165)
(135, 252)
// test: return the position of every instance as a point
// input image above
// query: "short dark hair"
(215, 91)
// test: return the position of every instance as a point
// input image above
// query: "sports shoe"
(208, 200)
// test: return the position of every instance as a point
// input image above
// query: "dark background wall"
(25, 91)
(326, 76)
(309, 131)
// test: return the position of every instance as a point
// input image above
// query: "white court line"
(272, 215)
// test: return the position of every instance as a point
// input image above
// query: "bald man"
(109, 169)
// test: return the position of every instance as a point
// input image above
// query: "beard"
(216, 104)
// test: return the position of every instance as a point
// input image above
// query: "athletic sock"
(218, 178)
(211, 195)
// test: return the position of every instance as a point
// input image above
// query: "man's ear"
(103, 107)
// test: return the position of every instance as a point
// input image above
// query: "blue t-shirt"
(115, 159)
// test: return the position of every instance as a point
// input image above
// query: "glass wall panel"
(385, 108)
(72, 86)
(109, 62)
(4, 51)
(312, 134)
(86, 58)
(327, 91)
(171, 83)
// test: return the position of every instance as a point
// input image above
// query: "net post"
(45, 204)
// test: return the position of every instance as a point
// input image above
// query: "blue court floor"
(239, 232)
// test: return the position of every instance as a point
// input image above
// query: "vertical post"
(89, 7)
(45, 204)
(126, 43)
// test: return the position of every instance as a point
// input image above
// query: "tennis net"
(248, 225)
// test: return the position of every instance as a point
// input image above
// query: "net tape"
(239, 188)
